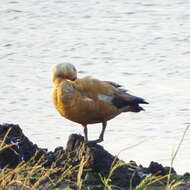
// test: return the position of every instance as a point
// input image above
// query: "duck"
(89, 100)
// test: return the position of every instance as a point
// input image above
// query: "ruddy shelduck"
(88, 100)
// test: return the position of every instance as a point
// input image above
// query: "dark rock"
(19, 149)
(95, 161)
(186, 175)
(9, 158)
(74, 142)
(59, 148)
(100, 161)
(169, 170)
(157, 169)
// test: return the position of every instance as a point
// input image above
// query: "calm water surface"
(144, 45)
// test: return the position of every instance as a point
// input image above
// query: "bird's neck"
(57, 80)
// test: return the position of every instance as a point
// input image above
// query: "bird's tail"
(130, 102)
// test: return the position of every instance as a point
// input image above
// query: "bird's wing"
(93, 88)
(117, 86)
(113, 84)
(122, 98)
(108, 92)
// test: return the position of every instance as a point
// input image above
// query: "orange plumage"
(88, 100)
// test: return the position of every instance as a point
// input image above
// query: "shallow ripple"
(142, 45)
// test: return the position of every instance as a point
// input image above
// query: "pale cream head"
(64, 70)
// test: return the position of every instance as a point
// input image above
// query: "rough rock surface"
(95, 161)
(20, 149)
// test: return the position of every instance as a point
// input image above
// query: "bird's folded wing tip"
(145, 102)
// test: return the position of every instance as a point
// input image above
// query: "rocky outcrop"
(95, 163)
(15, 146)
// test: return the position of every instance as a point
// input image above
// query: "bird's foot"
(94, 142)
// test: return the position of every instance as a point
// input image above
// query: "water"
(143, 45)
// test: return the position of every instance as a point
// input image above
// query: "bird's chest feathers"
(62, 97)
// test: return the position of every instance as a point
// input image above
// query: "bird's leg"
(101, 137)
(85, 133)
